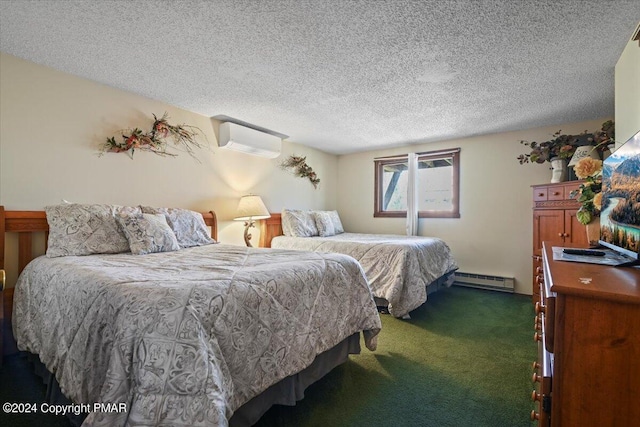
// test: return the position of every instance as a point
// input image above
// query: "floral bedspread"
(398, 268)
(185, 338)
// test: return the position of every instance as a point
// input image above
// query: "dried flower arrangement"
(155, 141)
(564, 146)
(301, 169)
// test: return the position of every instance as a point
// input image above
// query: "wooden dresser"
(588, 334)
(554, 220)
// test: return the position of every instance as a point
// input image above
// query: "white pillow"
(188, 226)
(337, 224)
(297, 223)
(335, 220)
(148, 233)
(324, 223)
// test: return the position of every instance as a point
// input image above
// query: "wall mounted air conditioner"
(246, 140)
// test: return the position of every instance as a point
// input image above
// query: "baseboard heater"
(484, 281)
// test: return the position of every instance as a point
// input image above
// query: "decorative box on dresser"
(554, 220)
(588, 334)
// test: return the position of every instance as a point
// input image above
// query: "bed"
(401, 270)
(209, 335)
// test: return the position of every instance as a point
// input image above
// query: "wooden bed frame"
(270, 228)
(26, 224)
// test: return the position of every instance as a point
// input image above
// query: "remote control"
(583, 252)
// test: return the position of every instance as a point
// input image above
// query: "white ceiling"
(340, 75)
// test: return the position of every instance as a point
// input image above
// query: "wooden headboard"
(270, 228)
(26, 224)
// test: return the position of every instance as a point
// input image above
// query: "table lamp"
(250, 208)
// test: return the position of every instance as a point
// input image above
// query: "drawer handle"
(535, 396)
(534, 416)
(540, 308)
(537, 337)
(535, 377)
(535, 365)
(540, 194)
(556, 193)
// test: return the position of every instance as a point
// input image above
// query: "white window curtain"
(412, 194)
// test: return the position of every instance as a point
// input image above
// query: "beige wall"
(494, 233)
(628, 92)
(53, 123)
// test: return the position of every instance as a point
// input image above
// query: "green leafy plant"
(564, 146)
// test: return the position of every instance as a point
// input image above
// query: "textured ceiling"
(339, 75)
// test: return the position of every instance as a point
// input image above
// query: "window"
(438, 185)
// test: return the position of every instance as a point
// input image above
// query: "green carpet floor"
(463, 360)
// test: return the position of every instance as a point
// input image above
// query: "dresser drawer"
(569, 188)
(540, 194)
(542, 378)
(560, 192)
(556, 193)
(547, 306)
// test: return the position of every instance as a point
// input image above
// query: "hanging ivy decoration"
(298, 165)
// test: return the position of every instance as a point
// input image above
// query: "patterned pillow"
(337, 224)
(148, 233)
(188, 226)
(78, 229)
(297, 223)
(335, 220)
(324, 223)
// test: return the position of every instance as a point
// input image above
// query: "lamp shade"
(251, 207)
(582, 152)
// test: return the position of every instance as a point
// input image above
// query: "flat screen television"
(620, 216)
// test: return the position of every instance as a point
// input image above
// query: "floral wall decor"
(589, 194)
(156, 140)
(298, 165)
(564, 146)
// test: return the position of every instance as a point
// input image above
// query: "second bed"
(401, 270)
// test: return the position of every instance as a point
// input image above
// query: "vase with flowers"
(589, 195)
(561, 147)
